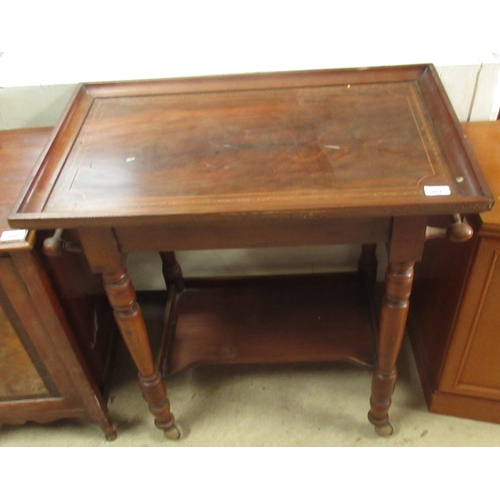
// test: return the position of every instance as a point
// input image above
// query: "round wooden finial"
(53, 247)
(460, 232)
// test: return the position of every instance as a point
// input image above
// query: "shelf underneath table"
(271, 320)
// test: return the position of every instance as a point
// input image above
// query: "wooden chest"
(454, 322)
(55, 326)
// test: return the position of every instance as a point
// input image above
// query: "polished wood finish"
(54, 342)
(344, 142)
(454, 328)
(395, 305)
(405, 248)
(301, 158)
(105, 258)
(273, 320)
(254, 231)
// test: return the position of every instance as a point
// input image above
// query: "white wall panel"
(460, 84)
(486, 103)
(145, 268)
(474, 92)
(3, 122)
(41, 106)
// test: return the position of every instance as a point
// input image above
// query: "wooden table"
(287, 159)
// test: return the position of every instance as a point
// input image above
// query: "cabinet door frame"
(482, 288)
(32, 306)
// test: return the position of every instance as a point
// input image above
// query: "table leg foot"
(109, 433)
(380, 401)
(155, 394)
(173, 433)
(171, 429)
(384, 430)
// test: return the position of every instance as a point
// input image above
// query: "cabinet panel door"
(473, 366)
(19, 377)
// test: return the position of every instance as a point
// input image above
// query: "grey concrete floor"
(262, 432)
(263, 406)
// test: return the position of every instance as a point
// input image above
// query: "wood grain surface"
(347, 142)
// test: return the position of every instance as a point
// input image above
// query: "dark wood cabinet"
(455, 314)
(55, 326)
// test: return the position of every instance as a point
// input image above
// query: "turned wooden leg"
(104, 256)
(121, 295)
(367, 264)
(394, 312)
(172, 272)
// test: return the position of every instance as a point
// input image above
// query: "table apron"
(252, 233)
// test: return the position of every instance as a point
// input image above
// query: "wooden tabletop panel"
(370, 142)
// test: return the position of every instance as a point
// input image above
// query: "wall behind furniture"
(473, 89)
(50, 46)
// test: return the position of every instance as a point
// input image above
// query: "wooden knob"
(460, 232)
(56, 245)
(53, 246)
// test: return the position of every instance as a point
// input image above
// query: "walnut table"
(287, 159)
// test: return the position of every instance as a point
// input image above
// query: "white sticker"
(14, 235)
(437, 190)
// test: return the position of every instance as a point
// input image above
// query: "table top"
(359, 142)
(19, 150)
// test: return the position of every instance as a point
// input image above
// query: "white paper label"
(14, 235)
(437, 190)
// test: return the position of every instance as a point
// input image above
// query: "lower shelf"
(271, 320)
